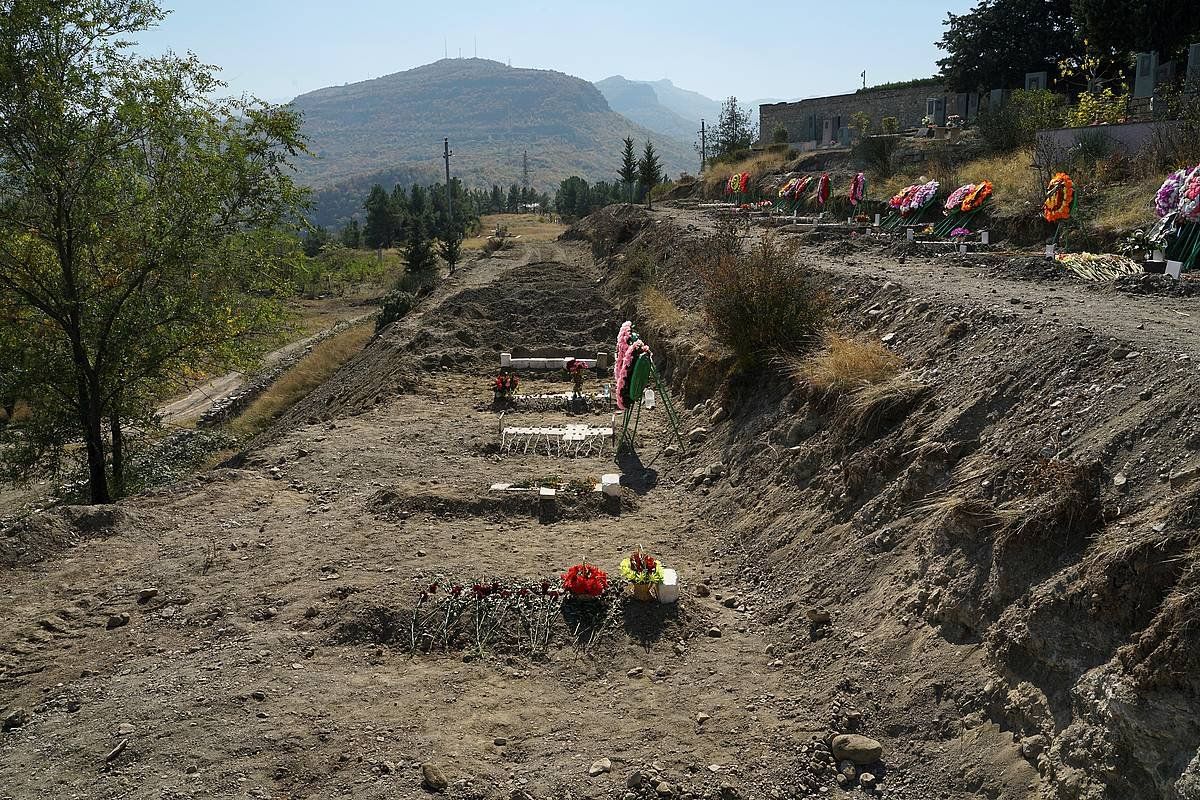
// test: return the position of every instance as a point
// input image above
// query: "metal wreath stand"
(641, 373)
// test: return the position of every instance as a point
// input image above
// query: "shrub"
(763, 302)
(1105, 108)
(1015, 124)
(889, 125)
(844, 364)
(780, 134)
(396, 304)
(418, 284)
(876, 153)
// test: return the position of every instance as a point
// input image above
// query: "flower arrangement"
(955, 200)
(977, 196)
(576, 370)
(959, 233)
(643, 571)
(822, 189)
(901, 197)
(788, 187)
(585, 581)
(801, 186)
(505, 385)
(1189, 197)
(921, 196)
(858, 189)
(1060, 195)
(629, 348)
(1166, 199)
(954, 121)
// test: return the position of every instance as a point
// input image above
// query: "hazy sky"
(277, 49)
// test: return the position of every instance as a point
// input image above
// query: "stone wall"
(826, 119)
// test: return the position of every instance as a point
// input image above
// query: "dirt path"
(1155, 324)
(191, 406)
(259, 667)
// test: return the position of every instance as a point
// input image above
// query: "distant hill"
(686, 103)
(390, 129)
(639, 102)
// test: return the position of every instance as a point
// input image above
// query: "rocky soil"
(981, 586)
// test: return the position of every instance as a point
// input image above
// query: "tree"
(780, 134)
(398, 212)
(380, 221)
(418, 252)
(860, 123)
(994, 44)
(314, 239)
(141, 223)
(1113, 29)
(735, 131)
(649, 171)
(629, 168)
(351, 235)
(497, 200)
(450, 247)
(514, 199)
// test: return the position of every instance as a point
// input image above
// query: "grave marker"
(1193, 66)
(1036, 80)
(1143, 80)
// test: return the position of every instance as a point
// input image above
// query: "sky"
(277, 49)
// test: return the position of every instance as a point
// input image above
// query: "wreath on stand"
(1060, 198)
(977, 196)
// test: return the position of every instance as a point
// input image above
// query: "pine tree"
(649, 171)
(497, 200)
(399, 207)
(735, 131)
(450, 246)
(629, 168)
(378, 231)
(418, 252)
(514, 199)
(351, 235)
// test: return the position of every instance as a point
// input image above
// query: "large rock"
(859, 749)
(433, 778)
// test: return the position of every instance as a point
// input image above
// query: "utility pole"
(449, 194)
(703, 145)
(864, 77)
(525, 170)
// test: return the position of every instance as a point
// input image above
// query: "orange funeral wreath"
(977, 197)
(1060, 194)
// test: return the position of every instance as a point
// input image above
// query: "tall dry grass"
(758, 165)
(309, 373)
(844, 364)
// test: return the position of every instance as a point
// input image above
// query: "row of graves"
(957, 220)
(607, 393)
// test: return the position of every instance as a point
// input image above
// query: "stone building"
(821, 121)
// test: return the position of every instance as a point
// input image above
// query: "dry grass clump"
(662, 313)
(758, 165)
(295, 384)
(844, 364)
(875, 407)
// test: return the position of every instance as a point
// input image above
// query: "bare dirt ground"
(264, 659)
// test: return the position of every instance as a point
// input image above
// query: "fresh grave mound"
(574, 501)
(543, 306)
(35, 538)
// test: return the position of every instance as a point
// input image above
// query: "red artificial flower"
(586, 580)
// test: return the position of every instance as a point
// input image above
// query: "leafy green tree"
(380, 221)
(629, 168)
(1118, 28)
(418, 252)
(351, 235)
(141, 223)
(649, 171)
(994, 44)
(780, 134)
(398, 209)
(735, 130)
(314, 239)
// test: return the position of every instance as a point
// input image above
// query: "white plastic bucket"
(668, 590)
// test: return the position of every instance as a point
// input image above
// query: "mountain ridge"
(393, 126)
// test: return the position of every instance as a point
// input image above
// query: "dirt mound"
(35, 538)
(573, 503)
(610, 228)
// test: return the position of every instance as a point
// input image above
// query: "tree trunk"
(118, 454)
(93, 438)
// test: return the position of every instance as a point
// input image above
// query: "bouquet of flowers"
(858, 189)
(959, 233)
(801, 186)
(977, 196)
(575, 370)
(902, 197)
(1166, 199)
(1189, 197)
(955, 200)
(643, 571)
(822, 189)
(585, 581)
(788, 186)
(1060, 195)
(505, 385)
(920, 196)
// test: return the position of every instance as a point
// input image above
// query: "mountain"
(686, 103)
(639, 102)
(390, 129)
